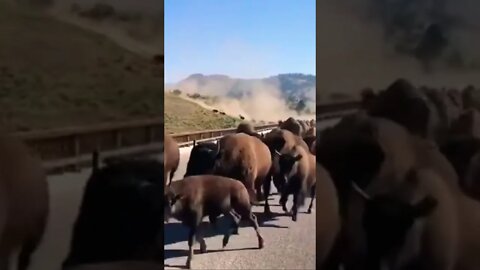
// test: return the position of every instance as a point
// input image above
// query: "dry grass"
(185, 116)
(53, 74)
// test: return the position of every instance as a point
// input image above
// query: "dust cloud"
(261, 102)
(370, 43)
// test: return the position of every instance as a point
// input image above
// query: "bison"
(24, 202)
(120, 213)
(171, 157)
(279, 140)
(377, 155)
(244, 158)
(410, 107)
(202, 159)
(298, 167)
(292, 125)
(191, 199)
(247, 128)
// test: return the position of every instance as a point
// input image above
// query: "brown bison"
(245, 158)
(171, 158)
(247, 128)
(195, 197)
(24, 203)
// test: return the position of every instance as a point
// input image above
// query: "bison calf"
(298, 167)
(195, 197)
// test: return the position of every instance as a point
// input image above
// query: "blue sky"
(239, 38)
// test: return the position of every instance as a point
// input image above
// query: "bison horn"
(360, 191)
(278, 153)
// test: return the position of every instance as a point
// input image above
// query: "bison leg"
(203, 244)
(172, 173)
(191, 241)
(312, 194)
(213, 221)
(266, 190)
(253, 220)
(232, 230)
(193, 225)
(283, 201)
(294, 209)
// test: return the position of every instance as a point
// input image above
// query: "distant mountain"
(296, 89)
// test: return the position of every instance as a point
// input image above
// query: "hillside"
(54, 74)
(291, 88)
(185, 116)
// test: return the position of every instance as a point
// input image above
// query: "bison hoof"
(225, 241)
(294, 218)
(309, 211)
(203, 248)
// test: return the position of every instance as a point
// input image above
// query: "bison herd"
(397, 187)
(405, 172)
(230, 176)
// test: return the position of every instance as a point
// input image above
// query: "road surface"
(288, 245)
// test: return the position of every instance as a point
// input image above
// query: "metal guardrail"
(69, 149)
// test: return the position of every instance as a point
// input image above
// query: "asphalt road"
(288, 245)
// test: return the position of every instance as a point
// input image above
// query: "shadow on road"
(177, 232)
(175, 253)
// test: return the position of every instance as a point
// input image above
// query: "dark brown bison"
(309, 140)
(410, 107)
(171, 158)
(247, 128)
(424, 225)
(202, 159)
(245, 158)
(460, 151)
(195, 197)
(291, 125)
(468, 123)
(313, 147)
(120, 216)
(471, 97)
(298, 168)
(280, 140)
(24, 203)
(377, 156)
(312, 131)
(304, 125)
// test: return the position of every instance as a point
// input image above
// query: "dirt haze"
(355, 51)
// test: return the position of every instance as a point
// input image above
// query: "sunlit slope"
(54, 74)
